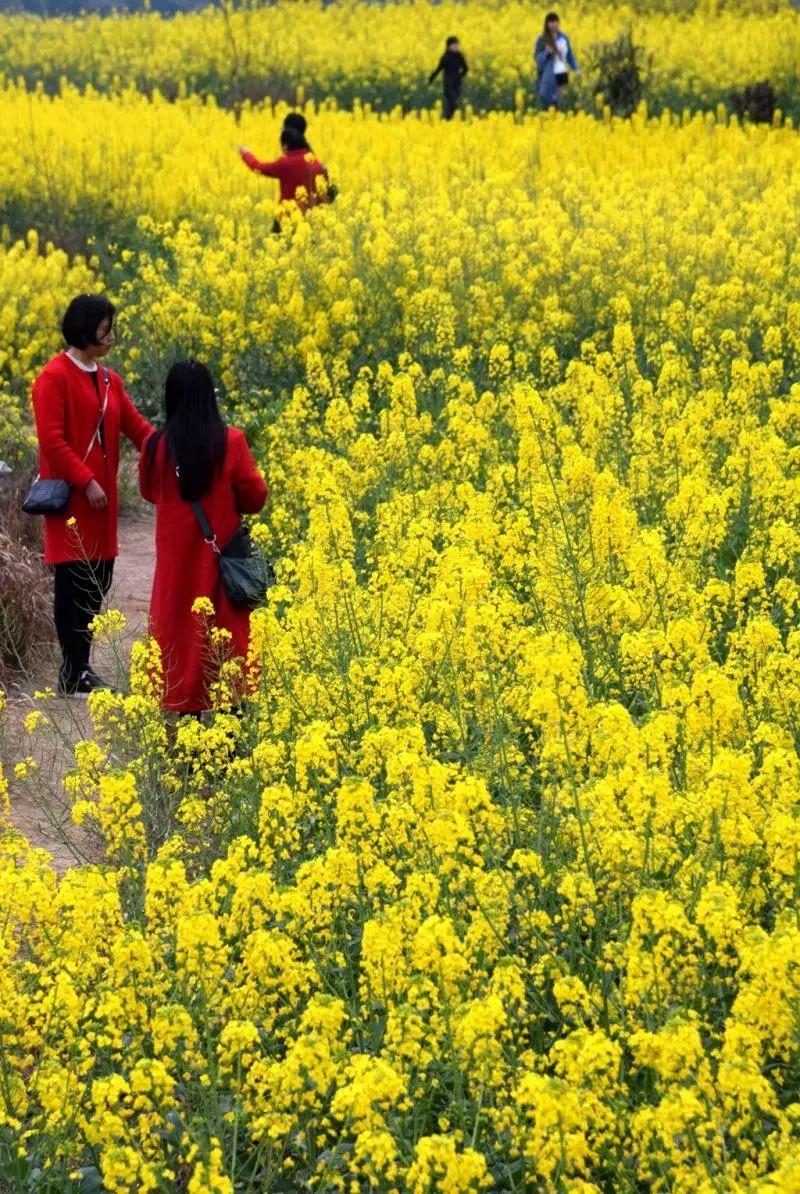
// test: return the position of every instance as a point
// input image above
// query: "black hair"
(451, 41)
(195, 434)
(292, 139)
(296, 120)
(83, 317)
(548, 37)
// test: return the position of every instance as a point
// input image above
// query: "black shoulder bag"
(50, 495)
(246, 573)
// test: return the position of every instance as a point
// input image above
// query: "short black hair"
(292, 139)
(83, 317)
(451, 41)
(296, 120)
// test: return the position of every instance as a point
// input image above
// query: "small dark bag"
(48, 496)
(246, 573)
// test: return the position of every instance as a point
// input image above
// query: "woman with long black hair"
(196, 458)
(554, 60)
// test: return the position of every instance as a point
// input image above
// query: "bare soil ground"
(38, 805)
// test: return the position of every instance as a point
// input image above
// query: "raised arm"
(249, 487)
(49, 398)
(132, 424)
(271, 169)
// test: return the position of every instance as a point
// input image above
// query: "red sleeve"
(271, 169)
(49, 397)
(248, 484)
(147, 488)
(132, 424)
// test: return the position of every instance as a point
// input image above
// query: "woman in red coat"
(297, 171)
(195, 458)
(81, 408)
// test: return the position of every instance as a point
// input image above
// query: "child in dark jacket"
(453, 66)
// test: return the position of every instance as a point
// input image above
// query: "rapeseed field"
(381, 54)
(494, 885)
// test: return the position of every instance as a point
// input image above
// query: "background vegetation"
(382, 54)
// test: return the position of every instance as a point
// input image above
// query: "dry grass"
(25, 587)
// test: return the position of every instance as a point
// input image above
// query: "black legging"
(452, 98)
(80, 587)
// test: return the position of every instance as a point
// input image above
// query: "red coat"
(187, 568)
(67, 408)
(295, 169)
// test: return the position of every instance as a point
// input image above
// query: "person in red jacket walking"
(81, 409)
(297, 171)
(195, 458)
(297, 121)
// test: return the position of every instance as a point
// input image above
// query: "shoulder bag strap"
(96, 436)
(205, 526)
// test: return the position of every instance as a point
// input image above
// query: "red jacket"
(295, 169)
(187, 568)
(67, 409)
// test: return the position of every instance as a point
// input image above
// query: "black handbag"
(47, 496)
(246, 573)
(50, 495)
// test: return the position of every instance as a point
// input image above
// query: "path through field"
(38, 808)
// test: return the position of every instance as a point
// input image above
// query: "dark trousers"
(80, 587)
(452, 98)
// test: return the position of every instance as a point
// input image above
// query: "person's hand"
(96, 496)
(243, 150)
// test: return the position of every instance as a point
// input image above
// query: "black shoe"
(87, 682)
(97, 681)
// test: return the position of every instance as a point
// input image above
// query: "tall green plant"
(622, 68)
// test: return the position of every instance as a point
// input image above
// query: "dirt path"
(38, 806)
